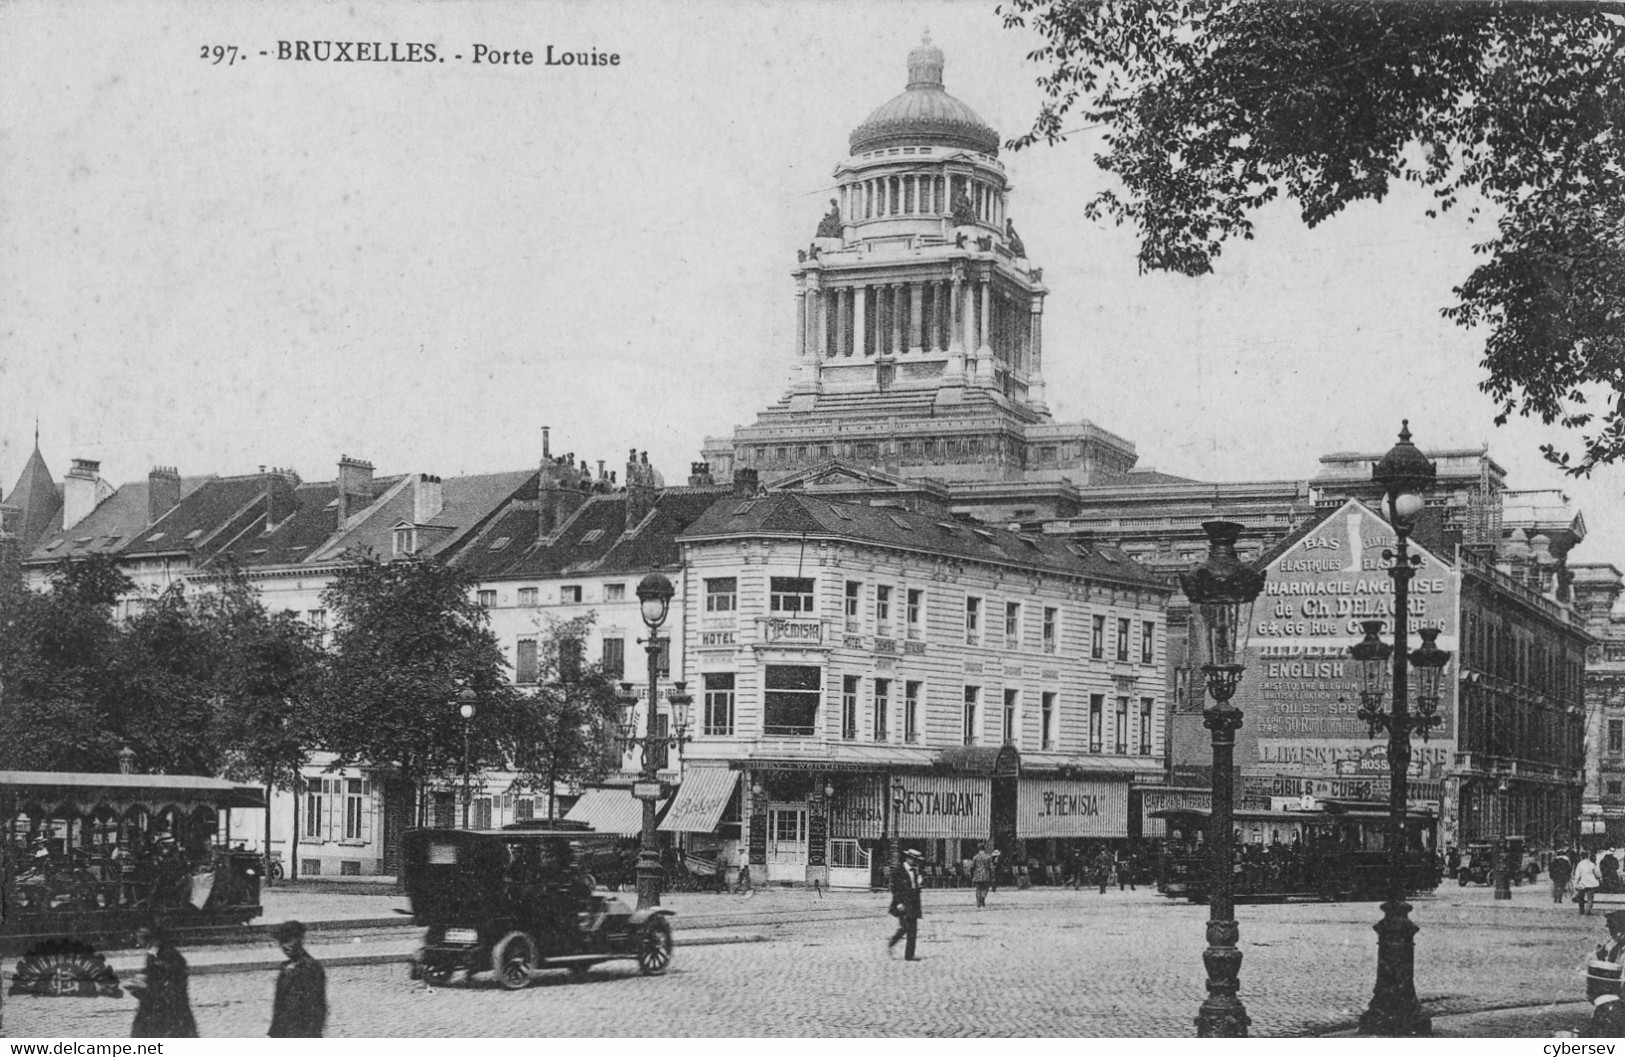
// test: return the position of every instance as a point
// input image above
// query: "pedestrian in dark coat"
(1104, 862)
(164, 1007)
(905, 903)
(1559, 872)
(300, 1008)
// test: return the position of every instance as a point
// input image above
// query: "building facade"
(870, 677)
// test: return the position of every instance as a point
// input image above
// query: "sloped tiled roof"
(595, 538)
(119, 519)
(796, 515)
(467, 503)
(39, 499)
(217, 511)
(294, 538)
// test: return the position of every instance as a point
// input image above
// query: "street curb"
(386, 958)
(334, 961)
(1351, 1030)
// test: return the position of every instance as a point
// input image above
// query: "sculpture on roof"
(830, 226)
(1013, 239)
(964, 214)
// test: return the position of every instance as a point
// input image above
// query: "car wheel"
(654, 947)
(512, 959)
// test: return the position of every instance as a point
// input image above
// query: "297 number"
(226, 53)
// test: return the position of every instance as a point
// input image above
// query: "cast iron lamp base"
(1394, 1009)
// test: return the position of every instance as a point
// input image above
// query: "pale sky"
(217, 267)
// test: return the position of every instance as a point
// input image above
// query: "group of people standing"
(164, 1003)
(1584, 875)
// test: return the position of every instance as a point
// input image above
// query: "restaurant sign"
(936, 806)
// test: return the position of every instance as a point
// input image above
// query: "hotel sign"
(785, 631)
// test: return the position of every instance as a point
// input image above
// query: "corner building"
(919, 327)
(871, 677)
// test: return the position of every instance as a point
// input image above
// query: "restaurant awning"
(611, 811)
(700, 800)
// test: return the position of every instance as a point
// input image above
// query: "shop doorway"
(786, 842)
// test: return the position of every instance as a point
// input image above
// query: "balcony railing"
(784, 731)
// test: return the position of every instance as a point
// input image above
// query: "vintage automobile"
(516, 900)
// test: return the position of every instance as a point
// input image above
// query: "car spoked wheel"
(512, 958)
(654, 947)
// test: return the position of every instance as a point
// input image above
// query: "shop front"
(1059, 819)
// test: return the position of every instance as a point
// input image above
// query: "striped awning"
(942, 806)
(611, 811)
(1058, 807)
(700, 800)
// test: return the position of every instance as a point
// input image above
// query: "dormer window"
(406, 539)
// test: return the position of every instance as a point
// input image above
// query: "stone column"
(843, 315)
(983, 348)
(801, 325)
(916, 301)
(1035, 356)
(953, 372)
(860, 320)
(897, 319)
(820, 315)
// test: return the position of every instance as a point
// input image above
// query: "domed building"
(919, 328)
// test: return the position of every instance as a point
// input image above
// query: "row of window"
(569, 594)
(338, 809)
(793, 695)
(612, 658)
(794, 596)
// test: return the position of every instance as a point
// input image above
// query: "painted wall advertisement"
(1301, 691)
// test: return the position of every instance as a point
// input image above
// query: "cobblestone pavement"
(1033, 963)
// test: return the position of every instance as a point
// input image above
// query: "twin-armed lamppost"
(1403, 474)
(1221, 592)
(465, 708)
(654, 599)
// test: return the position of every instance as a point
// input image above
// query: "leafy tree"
(572, 715)
(161, 681)
(54, 684)
(1214, 108)
(407, 638)
(267, 684)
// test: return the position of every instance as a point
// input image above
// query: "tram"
(1331, 851)
(91, 857)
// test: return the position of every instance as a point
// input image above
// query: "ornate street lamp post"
(1221, 592)
(1504, 866)
(654, 599)
(465, 708)
(1403, 474)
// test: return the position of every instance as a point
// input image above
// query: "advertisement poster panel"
(1301, 691)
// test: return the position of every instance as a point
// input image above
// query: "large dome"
(925, 114)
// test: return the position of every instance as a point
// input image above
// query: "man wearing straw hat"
(905, 903)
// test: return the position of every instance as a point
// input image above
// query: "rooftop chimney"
(745, 481)
(428, 498)
(79, 489)
(355, 486)
(558, 490)
(699, 474)
(640, 489)
(163, 491)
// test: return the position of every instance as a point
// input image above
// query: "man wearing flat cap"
(905, 903)
(300, 1009)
